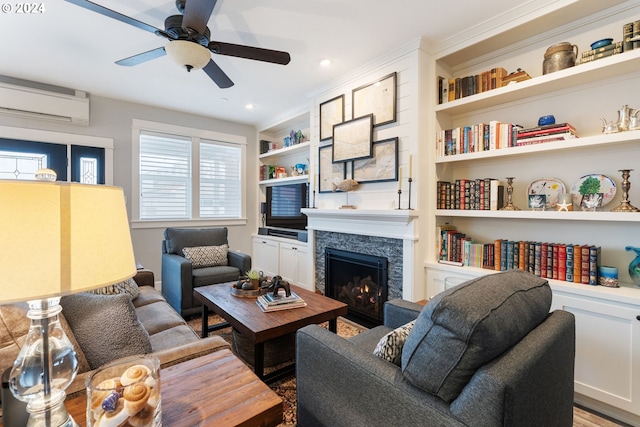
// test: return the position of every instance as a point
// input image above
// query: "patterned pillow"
(206, 256)
(390, 346)
(129, 287)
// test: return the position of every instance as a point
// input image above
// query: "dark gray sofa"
(340, 382)
(179, 278)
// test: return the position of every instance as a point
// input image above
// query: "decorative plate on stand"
(552, 188)
(607, 188)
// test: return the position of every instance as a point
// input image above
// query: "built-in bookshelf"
(580, 95)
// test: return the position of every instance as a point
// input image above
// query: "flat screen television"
(284, 204)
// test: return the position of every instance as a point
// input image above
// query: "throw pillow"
(129, 287)
(206, 256)
(390, 346)
(105, 326)
(463, 328)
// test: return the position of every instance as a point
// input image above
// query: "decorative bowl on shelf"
(601, 43)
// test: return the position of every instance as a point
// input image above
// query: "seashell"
(113, 419)
(346, 185)
(143, 418)
(110, 403)
(134, 374)
(136, 397)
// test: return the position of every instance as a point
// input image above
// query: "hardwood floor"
(583, 417)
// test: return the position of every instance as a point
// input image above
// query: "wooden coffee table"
(259, 327)
(215, 390)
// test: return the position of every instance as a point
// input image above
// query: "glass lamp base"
(52, 413)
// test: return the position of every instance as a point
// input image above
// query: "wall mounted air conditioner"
(44, 105)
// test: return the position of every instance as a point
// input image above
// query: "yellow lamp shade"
(60, 238)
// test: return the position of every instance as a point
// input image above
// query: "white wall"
(112, 119)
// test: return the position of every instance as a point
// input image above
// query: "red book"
(562, 262)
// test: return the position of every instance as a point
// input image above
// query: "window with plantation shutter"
(165, 176)
(186, 175)
(219, 180)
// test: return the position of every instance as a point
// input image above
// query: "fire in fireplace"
(360, 281)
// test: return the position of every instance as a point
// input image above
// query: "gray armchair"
(179, 278)
(340, 382)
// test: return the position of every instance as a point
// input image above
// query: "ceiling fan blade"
(142, 57)
(197, 14)
(217, 75)
(113, 14)
(249, 52)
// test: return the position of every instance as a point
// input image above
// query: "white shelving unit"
(607, 320)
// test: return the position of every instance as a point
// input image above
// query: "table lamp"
(57, 238)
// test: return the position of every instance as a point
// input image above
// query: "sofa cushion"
(176, 239)
(158, 316)
(14, 326)
(129, 287)
(105, 326)
(463, 328)
(390, 346)
(207, 256)
(147, 295)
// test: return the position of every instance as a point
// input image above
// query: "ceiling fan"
(189, 40)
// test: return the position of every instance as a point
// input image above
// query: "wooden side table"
(217, 389)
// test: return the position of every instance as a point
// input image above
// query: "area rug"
(285, 388)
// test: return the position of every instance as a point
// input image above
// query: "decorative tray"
(243, 293)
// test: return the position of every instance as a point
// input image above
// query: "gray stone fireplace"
(390, 234)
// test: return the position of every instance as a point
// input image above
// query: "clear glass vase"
(634, 266)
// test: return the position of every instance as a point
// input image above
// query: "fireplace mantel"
(393, 223)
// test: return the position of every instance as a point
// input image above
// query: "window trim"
(196, 135)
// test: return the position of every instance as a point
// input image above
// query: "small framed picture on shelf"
(331, 113)
(377, 98)
(591, 202)
(537, 202)
(382, 166)
(329, 173)
(353, 139)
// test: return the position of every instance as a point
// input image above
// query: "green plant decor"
(253, 274)
(590, 185)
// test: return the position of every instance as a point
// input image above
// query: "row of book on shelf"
(470, 194)
(460, 87)
(496, 135)
(450, 89)
(270, 302)
(558, 261)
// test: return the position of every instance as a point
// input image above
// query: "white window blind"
(165, 176)
(220, 179)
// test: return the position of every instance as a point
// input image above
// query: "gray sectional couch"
(151, 324)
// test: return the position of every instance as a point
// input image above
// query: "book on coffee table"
(282, 306)
(269, 302)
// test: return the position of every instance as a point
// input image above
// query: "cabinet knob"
(638, 317)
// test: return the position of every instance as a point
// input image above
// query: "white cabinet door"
(607, 349)
(289, 262)
(265, 255)
(303, 267)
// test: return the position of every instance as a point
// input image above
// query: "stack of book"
(602, 52)
(269, 302)
(547, 133)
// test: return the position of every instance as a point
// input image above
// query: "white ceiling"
(72, 47)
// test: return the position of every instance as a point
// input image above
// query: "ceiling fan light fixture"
(188, 54)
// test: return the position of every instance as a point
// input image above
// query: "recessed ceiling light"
(249, 106)
(325, 62)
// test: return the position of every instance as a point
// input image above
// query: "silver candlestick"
(625, 206)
